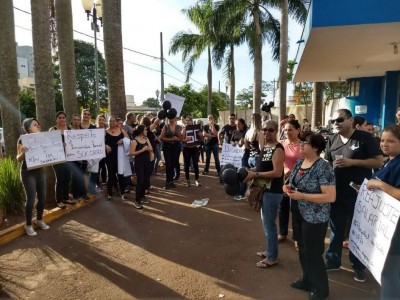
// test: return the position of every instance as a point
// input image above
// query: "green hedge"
(12, 196)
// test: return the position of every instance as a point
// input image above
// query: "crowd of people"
(285, 159)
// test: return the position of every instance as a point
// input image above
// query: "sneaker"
(237, 198)
(144, 200)
(359, 276)
(109, 198)
(61, 205)
(177, 179)
(29, 230)
(197, 183)
(124, 198)
(137, 205)
(204, 173)
(42, 224)
(329, 267)
(172, 185)
(187, 182)
(72, 202)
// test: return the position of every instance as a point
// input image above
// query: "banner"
(232, 155)
(192, 133)
(375, 218)
(43, 149)
(176, 102)
(84, 144)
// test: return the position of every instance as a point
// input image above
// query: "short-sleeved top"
(238, 135)
(265, 164)
(91, 126)
(210, 140)
(310, 181)
(292, 154)
(361, 145)
(227, 131)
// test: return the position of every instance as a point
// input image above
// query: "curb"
(17, 230)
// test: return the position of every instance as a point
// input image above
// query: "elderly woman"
(269, 174)
(312, 184)
(387, 179)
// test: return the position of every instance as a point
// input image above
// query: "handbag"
(254, 195)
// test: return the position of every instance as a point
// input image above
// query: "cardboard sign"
(192, 134)
(84, 144)
(43, 149)
(375, 219)
(232, 155)
(176, 102)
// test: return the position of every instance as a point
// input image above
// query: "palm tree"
(9, 91)
(114, 56)
(317, 97)
(66, 54)
(41, 38)
(193, 45)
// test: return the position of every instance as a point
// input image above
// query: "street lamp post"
(94, 9)
(157, 93)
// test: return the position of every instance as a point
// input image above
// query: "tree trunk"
(114, 57)
(45, 101)
(67, 57)
(257, 60)
(317, 100)
(209, 82)
(232, 81)
(283, 58)
(9, 91)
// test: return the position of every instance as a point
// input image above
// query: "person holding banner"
(33, 181)
(191, 139)
(210, 133)
(387, 179)
(312, 186)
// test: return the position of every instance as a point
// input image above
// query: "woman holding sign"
(387, 179)
(191, 140)
(34, 182)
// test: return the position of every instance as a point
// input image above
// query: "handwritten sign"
(192, 134)
(176, 102)
(84, 144)
(43, 148)
(232, 155)
(375, 218)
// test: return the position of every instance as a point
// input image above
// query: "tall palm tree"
(66, 54)
(317, 97)
(114, 57)
(41, 38)
(193, 45)
(9, 91)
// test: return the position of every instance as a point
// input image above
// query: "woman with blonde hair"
(252, 140)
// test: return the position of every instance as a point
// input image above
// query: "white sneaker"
(124, 198)
(29, 230)
(197, 183)
(42, 224)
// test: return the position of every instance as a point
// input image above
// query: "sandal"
(266, 263)
(262, 254)
(282, 238)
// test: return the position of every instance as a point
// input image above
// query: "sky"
(142, 22)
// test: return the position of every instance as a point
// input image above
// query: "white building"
(26, 74)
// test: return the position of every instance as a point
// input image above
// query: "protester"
(201, 146)
(171, 137)
(102, 173)
(85, 120)
(33, 181)
(359, 123)
(129, 124)
(210, 134)
(157, 145)
(114, 138)
(387, 179)
(62, 170)
(354, 153)
(140, 149)
(369, 127)
(238, 139)
(252, 140)
(152, 138)
(291, 146)
(225, 134)
(269, 170)
(191, 151)
(312, 186)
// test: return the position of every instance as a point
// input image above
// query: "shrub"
(12, 196)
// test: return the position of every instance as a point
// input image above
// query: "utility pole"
(162, 68)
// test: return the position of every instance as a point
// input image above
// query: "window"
(354, 88)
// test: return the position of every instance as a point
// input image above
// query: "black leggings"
(171, 157)
(191, 154)
(114, 177)
(142, 177)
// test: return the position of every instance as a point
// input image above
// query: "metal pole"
(96, 62)
(162, 68)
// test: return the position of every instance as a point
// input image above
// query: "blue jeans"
(214, 150)
(157, 157)
(34, 183)
(253, 161)
(269, 213)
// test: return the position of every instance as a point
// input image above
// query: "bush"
(12, 196)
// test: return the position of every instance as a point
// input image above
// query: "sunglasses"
(338, 120)
(268, 129)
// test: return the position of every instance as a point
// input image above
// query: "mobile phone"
(356, 187)
(289, 189)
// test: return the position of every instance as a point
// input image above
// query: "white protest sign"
(84, 144)
(232, 155)
(375, 218)
(176, 102)
(43, 148)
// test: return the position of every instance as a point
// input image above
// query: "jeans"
(157, 157)
(191, 155)
(253, 161)
(78, 179)
(340, 212)
(93, 179)
(390, 278)
(215, 151)
(284, 211)
(34, 182)
(63, 177)
(114, 177)
(269, 213)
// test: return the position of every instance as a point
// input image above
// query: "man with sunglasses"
(353, 154)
